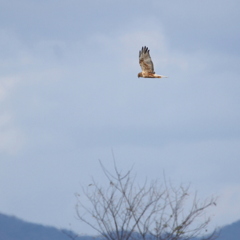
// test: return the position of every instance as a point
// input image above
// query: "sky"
(69, 96)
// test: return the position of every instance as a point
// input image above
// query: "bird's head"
(140, 75)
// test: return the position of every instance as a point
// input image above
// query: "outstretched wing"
(145, 60)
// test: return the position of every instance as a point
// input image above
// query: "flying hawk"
(146, 64)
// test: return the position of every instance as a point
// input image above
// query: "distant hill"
(12, 228)
(230, 232)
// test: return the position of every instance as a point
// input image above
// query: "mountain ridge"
(13, 228)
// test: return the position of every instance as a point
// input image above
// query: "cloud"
(62, 78)
(6, 85)
(228, 207)
(11, 138)
(69, 92)
(199, 26)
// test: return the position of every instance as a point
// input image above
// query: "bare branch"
(124, 210)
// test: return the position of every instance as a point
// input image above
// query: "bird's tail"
(160, 76)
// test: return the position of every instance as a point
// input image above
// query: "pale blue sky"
(69, 93)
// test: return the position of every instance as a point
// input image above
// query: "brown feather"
(146, 64)
(145, 60)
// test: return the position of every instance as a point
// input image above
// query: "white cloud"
(11, 138)
(6, 86)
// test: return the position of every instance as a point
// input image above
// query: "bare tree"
(123, 210)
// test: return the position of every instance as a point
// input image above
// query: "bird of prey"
(146, 64)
